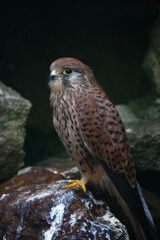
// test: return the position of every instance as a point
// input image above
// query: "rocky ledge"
(33, 205)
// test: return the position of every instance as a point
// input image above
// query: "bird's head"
(70, 73)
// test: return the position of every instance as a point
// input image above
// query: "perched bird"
(93, 134)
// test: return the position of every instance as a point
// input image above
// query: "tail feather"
(141, 219)
(133, 204)
(138, 230)
(147, 220)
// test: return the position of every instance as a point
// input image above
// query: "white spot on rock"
(41, 194)
(70, 171)
(52, 171)
(74, 217)
(3, 196)
(57, 215)
(129, 130)
(4, 237)
(24, 170)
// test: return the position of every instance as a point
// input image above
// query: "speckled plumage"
(93, 134)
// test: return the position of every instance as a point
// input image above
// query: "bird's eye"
(67, 71)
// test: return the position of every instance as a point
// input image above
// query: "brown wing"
(103, 132)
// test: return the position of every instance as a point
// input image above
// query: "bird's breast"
(67, 126)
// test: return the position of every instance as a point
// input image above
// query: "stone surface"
(13, 113)
(144, 139)
(41, 209)
(142, 116)
(146, 108)
(152, 59)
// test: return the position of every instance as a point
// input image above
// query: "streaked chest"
(66, 125)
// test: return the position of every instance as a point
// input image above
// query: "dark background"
(111, 37)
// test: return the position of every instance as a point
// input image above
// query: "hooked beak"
(53, 75)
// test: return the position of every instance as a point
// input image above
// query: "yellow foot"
(74, 183)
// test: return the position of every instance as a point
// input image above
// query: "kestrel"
(93, 134)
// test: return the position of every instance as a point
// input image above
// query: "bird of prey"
(93, 134)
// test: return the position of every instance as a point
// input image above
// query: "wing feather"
(103, 132)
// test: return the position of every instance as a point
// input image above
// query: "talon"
(74, 183)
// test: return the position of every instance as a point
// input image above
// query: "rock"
(152, 59)
(146, 108)
(126, 113)
(41, 209)
(13, 113)
(142, 116)
(152, 67)
(144, 139)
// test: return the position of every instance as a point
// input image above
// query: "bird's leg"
(73, 183)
